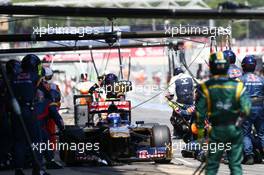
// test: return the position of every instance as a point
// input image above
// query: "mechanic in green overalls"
(222, 100)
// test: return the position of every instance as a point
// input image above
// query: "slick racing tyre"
(68, 157)
(161, 138)
(71, 134)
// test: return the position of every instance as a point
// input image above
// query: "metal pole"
(129, 67)
(173, 61)
(96, 36)
(120, 63)
(95, 68)
(21, 51)
(169, 64)
(134, 13)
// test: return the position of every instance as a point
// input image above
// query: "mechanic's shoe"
(175, 135)
(201, 156)
(225, 158)
(39, 172)
(53, 165)
(19, 172)
(114, 163)
(43, 173)
(257, 156)
(187, 154)
(101, 162)
(249, 160)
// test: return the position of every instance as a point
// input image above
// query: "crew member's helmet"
(84, 77)
(110, 79)
(231, 56)
(13, 67)
(218, 63)
(32, 62)
(48, 73)
(177, 71)
(249, 63)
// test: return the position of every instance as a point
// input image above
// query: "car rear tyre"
(161, 138)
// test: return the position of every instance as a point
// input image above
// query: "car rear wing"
(92, 107)
(103, 107)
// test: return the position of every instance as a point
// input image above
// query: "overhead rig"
(95, 36)
(46, 50)
(111, 39)
(99, 36)
(133, 12)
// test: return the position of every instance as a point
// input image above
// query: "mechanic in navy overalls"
(47, 111)
(3, 119)
(255, 88)
(234, 71)
(25, 86)
(181, 88)
(13, 68)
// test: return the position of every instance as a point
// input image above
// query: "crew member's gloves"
(93, 88)
(169, 96)
(190, 110)
(207, 126)
(61, 131)
(200, 134)
(62, 128)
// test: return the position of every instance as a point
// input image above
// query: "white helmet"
(48, 73)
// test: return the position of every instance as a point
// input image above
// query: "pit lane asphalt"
(179, 165)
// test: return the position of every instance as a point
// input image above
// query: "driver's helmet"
(114, 119)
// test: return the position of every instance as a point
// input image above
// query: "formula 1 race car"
(111, 138)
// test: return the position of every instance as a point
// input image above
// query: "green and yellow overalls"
(222, 100)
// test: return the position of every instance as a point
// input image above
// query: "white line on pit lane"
(184, 161)
(178, 154)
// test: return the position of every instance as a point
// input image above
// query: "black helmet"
(13, 67)
(177, 71)
(32, 62)
(231, 56)
(110, 79)
(249, 63)
(218, 63)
